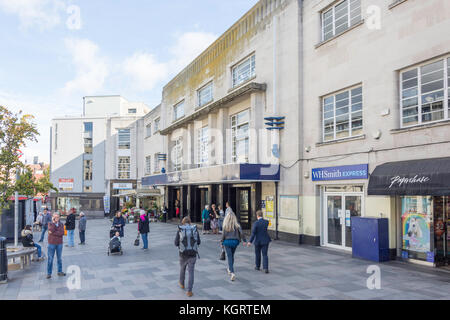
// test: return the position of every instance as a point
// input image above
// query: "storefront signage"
(106, 204)
(269, 206)
(359, 171)
(122, 186)
(398, 181)
(66, 184)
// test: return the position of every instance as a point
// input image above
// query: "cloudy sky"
(54, 52)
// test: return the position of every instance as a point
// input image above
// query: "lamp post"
(16, 212)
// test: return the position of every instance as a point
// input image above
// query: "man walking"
(55, 244)
(70, 227)
(46, 219)
(82, 228)
(188, 240)
(261, 240)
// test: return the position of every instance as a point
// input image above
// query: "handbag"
(136, 242)
(65, 230)
(222, 254)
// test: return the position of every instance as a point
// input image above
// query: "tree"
(28, 185)
(16, 129)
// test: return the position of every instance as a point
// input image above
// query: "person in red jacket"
(55, 244)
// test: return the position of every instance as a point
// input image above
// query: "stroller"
(115, 246)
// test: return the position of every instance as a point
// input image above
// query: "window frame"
(446, 89)
(178, 154)
(199, 91)
(252, 60)
(132, 109)
(119, 144)
(87, 170)
(123, 171)
(148, 130)
(203, 146)
(156, 168)
(175, 108)
(234, 142)
(333, 15)
(148, 164)
(157, 121)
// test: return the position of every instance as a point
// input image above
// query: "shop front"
(421, 189)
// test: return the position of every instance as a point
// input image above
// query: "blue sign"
(357, 171)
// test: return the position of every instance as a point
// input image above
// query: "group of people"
(143, 226)
(187, 240)
(56, 231)
(213, 219)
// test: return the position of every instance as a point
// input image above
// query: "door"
(339, 209)
(244, 207)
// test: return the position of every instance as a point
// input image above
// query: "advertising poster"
(416, 213)
(106, 204)
(269, 207)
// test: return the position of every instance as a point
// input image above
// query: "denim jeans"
(230, 257)
(188, 262)
(220, 224)
(70, 238)
(82, 236)
(52, 248)
(258, 250)
(44, 229)
(145, 240)
(39, 250)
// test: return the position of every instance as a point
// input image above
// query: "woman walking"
(214, 214)
(119, 222)
(231, 237)
(144, 228)
(206, 220)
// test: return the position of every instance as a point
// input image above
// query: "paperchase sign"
(351, 172)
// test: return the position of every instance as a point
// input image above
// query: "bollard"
(3, 261)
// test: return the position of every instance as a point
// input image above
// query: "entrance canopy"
(428, 177)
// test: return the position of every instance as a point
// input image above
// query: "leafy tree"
(16, 129)
(28, 185)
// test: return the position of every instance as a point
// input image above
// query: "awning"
(428, 177)
(140, 193)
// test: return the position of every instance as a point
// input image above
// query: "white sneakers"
(233, 276)
(229, 272)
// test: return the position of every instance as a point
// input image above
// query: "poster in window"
(416, 214)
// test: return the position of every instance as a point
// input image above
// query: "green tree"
(28, 185)
(16, 129)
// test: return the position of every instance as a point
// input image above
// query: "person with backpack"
(187, 240)
(144, 228)
(231, 237)
(70, 227)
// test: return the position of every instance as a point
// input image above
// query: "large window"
(156, 129)
(87, 171)
(340, 17)
(132, 110)
(240, 136)
(148, 129)
(205, 94)
(87, 135)
(342, 114)
(177, 154)
(123, 169)
(124, 138)
(203, 146)
(243, 71)
(156, 163)
(178, 111)
(425, 92)
(148, 164)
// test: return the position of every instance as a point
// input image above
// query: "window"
(156, 163)
(342, 114)
(340, 17)
(87, 136)
(123, 168)
(132, 110)
(240, 136)
(156, 129)
(56, 136)
(203, 146)
(425, 92)
(243, 71)
(148, 130)
(178, 111)
(87, 189)
(124, 138)
(205, 94)
(148, 163)
(177, 154)
(87, 171)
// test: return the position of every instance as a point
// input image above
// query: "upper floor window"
(425, 93)
(148, 164)
(124, 138)
(243, 71)
(87, 136)
(178, 111)
(240, 136)
(132, 110)
(87, 172)
(203, 146)
(177, 154)
(205, 94)
(340, 17)
(56, 136)
(148, 130)
(156, 163)
(156, 129)
(342, 114)
(123, 168)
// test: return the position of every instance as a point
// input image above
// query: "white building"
(94, 155)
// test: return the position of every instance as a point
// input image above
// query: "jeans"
(70, 238)
(188, 262)
(230, 257)
(145, 240)
(52, 248)
(82, 236)
(39, 250)
(44, 229)
(258, 250)
(220, 224)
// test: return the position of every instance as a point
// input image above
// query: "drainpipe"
(276, 210)
(275, 133)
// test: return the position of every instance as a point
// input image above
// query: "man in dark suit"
(261, 240)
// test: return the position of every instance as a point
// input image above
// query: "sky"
(55, 52)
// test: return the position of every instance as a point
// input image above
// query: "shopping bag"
(222, 254)
(136, 242)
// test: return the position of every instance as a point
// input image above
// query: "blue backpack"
(188, 239)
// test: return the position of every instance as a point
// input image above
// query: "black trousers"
(262, 249)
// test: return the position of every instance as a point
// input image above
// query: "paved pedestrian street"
(296, 273)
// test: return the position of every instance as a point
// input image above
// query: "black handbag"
(136, 242)
(222, 254)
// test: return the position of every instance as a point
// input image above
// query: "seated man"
(27, 241)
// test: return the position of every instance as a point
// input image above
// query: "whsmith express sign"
(357, 171)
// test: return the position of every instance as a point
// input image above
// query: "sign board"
(106, 204)
(122, 186)
(358, 171)
(289, 207)
(269, 207)
(66, 184)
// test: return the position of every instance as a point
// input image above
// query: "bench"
(25, 255)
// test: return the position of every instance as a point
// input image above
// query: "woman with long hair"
(232, 235)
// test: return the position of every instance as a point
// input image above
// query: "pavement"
(296, 273)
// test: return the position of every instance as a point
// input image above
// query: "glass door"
(244, 208)
(333, 220)
(352, 209)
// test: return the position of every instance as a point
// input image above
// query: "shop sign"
(358, 171)
(66, 184)
(122, 186)
(269, 207)
(106, 203)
